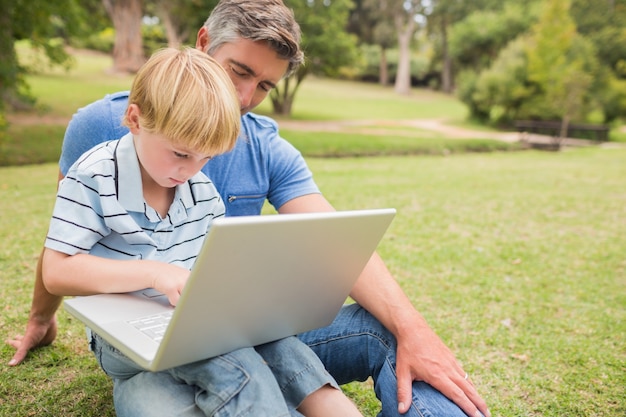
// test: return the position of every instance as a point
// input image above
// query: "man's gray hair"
(258, 20)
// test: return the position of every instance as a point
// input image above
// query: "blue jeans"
(354, 347)
(357, 346)
(268, 380)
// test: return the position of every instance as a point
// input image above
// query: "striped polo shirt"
(100, 210)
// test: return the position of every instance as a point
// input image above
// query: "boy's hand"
(171, 280)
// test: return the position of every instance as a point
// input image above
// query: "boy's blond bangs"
(187, 96)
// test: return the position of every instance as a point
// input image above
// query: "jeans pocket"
(113, 362)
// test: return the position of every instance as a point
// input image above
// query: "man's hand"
(422, 356)
(38, 333)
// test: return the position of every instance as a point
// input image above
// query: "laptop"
(257, 279)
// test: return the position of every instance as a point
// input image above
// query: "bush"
(102, 41)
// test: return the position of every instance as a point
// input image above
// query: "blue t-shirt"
(261, 166)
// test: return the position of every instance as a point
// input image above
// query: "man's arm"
(41, 329)
(421, 355)
(91, 125)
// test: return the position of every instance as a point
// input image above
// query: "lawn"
(516, 259)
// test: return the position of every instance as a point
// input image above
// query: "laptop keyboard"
(153, 326)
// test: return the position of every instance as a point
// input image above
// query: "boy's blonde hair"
(186, 95)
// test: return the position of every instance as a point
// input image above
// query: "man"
(383, 336)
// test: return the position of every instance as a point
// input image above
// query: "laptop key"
(153, 326)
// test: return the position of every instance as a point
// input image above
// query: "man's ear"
(202, 39)
(132, 118)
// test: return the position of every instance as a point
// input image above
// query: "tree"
(499, 93)
(126, 16)
(441, 16)
(404, 14)
(45, 24)
(326, 44)
(476, 40)
(603, 23)
(557, 58)
(374, 28)
(181, 19)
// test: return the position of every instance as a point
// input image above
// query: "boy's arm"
(85, 274)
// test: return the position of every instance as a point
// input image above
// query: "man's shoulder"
(110, 103)
(259, 121)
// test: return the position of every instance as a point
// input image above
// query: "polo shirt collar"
(130, 189)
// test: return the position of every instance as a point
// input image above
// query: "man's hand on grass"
(38, 333)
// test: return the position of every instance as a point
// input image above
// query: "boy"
(132, 214)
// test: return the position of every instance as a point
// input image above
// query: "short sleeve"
(78, 222)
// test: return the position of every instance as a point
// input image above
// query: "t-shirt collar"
(130, 190)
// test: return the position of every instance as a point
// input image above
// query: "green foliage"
(603, 23)
(328, 48)
(550, 73)
(476, 40)
(561, 64)
(498, 93)
(613, 99)
(102, 41)
(43, 24)
(153, 37)
(326, 45)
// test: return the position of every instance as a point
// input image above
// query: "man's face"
(253, 67)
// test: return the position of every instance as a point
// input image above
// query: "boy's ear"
(132, 118)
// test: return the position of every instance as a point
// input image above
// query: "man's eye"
(237, 71)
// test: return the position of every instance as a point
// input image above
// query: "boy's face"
(253, 67)
(166, 164)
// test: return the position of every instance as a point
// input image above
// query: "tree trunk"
(383, 67)
(284, 94)
(174, 35)
(446, 74)
(403, 76)
(126, 16)
(563, 131)
(8, 62)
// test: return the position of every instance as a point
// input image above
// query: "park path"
(411, 128)
(424, 128)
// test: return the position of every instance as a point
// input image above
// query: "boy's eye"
(180, 155)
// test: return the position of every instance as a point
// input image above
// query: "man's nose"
(246, 94)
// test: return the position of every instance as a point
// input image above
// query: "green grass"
(327, 99)
(31, 144)
(60, 92)
(516, 260)
(340, 144)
